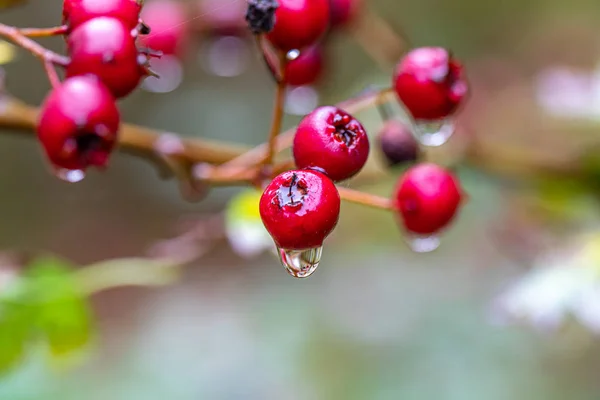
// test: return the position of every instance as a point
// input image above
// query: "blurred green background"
(376, 321)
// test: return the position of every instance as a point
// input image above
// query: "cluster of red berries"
(79, 120)
(301, 208)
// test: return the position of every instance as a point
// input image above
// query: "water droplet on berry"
(70, 175)
(434, 133)
(301, 100)
(301, 263)
(292, 54)
(422, 243)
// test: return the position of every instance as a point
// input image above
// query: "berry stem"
(17, 37)
(51, 73)
(277, 112)
(366, 199)
(44, 32)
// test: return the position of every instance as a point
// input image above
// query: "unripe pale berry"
(78, 123)
(76, 12)
(332, 141)
(427, 199)
(397, 143)
(106, 48)
(299, 23)
(168, 28)
(300, 209)
(430, 83)
(306, 69)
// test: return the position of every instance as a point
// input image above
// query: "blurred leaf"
(8, 52)
(10, 3)
(244, 228)
(15, 328)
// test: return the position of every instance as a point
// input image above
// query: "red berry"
(397, 143)
(76, 12)
(427, 198)
(300, 209)
(168, 29)
(332, 141)
(106, 48)
(430, 83)
(343, 12)
(299, 23)
(306, 69)
(78, 123)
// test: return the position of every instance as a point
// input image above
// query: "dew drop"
(301, 263)
(422, 244)
(70, 175)
(292, 54)
(434, 133)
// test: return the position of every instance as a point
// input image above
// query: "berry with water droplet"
(333, 141)
(77, 12)
(78, 124)
(343, 12)
(397, 143)
(427, 198)
(305, 69)
(167, 21)
(106, 48)
(300, 209)
(430, 83)
(299, 23)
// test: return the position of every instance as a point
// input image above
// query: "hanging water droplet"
(434, 133)
(70, 175)
(301, 263)
(422, 244)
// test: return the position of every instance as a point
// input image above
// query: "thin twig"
(14, 34)
(277, 112)
(44, 32)
(366, 199)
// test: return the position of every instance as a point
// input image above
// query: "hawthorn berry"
(77, 12)
(343, 12)
(427, 198)
(299, 23)
(300, 209)
(306, 68)
(397, 143)
(105, 47)
(430, 83)
(78, 123)
(168, 29)
(332, 141)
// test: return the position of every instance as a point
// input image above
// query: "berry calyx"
(306, 69)
(77, 12)
(78, 124)
(299, 23)
(260, 15)
(332, 141)
(342, 12)
(300, 209)
(430, 83)
(105, 47)
(168, 29)
(397, 143)
(427, 198)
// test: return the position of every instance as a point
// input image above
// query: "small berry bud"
(261, 15)
(397, 143)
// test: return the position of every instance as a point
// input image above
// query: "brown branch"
(44, 32)
(17, 37)
(366, 199)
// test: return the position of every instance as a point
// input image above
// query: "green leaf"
(15, 329)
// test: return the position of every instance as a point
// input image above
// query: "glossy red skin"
(317, 144)
(105, 47)
(306, 69)
(310, 220)
(79, 106)
(299, 23)
(167, 20)
(76, 12)
(430, 83)
(427, 198)
(343, 12)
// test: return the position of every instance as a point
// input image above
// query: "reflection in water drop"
(170, 74)
(434, 133)
(301, 100)
(70, 175)
(422, 244)
(225, 56)
(292, 54)
(301, 263)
